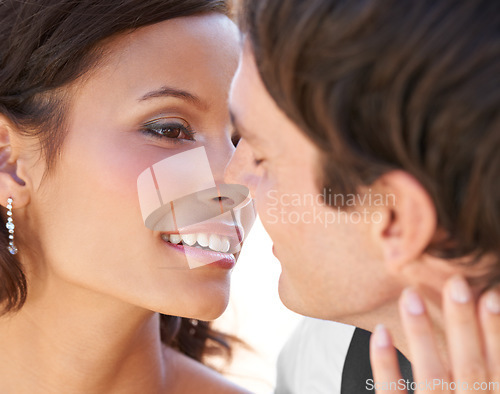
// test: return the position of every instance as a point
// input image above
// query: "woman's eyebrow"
(167, 91)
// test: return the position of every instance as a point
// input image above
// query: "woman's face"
(160, 91)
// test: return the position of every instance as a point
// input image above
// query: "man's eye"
(235, 138)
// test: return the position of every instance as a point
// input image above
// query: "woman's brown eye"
(171, 132)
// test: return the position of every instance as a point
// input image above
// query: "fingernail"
(459, 290)
(492, 302)
(412, 302)
(381, 336)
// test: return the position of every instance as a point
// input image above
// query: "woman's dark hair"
(380, 85)
(45, 45)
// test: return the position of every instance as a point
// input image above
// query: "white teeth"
(175, 238)
(189, 239)
(202, 239)
(225, 245)
(215, 243)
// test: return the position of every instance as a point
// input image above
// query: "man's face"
(330, 263)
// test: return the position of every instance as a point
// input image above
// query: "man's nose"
(219, 154)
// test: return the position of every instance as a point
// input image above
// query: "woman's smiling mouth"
(205, 241)
(197, 255)
(215, 244)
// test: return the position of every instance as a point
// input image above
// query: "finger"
(384, 360)
(428, 369)
(489, 308)
(463, 335)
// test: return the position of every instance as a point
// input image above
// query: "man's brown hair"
(380, 85)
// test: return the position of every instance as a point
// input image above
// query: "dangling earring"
(10, 226)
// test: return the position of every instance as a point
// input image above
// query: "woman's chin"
(208, 307)
(213, 313)
(207, 314)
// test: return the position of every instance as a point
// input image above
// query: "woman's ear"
(409, 224)
(10, 184)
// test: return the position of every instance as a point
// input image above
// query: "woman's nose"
(223, 201)
(239, 164)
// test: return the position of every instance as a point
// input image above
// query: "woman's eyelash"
(173, 131)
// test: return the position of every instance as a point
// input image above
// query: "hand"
(473, 343)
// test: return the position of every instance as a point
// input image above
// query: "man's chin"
(293, 297)
(298, 299)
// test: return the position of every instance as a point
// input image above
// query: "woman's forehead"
(169, 56)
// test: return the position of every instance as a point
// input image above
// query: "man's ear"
(10, 183)
(408, 225)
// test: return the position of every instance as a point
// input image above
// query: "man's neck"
(388, 315)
